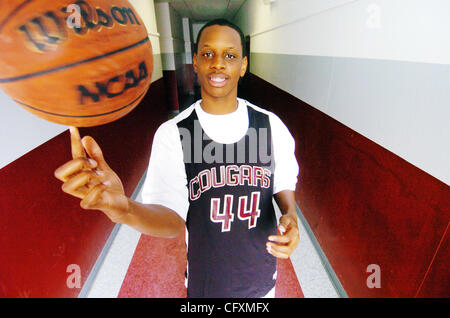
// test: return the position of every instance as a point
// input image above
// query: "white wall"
(172, 41)
(405, 30)
(187, 40)
(196, 29)
(146, 10)
(165, 30)
(176, 23)
(381, 67)
(20, 131)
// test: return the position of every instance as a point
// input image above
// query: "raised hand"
(88, 177)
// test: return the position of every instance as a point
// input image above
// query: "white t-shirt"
(166, 181)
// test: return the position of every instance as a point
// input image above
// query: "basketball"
(77, 63)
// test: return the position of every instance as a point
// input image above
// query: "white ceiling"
(205, 10)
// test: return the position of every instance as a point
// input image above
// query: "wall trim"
(323, 259)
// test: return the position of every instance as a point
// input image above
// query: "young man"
(213, 169)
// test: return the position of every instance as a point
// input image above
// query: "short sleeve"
(166, 180)
(286, 166)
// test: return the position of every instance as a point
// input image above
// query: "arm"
(283, 245)
(286, 202)
(153, 219)
(285, 180)
(88, 177)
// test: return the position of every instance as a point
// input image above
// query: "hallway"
(362, 87)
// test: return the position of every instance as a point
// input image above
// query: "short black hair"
(225, 23)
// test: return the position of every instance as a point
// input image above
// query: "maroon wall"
(170, 82)
(42, 229)
(180, 86)
(364, 204)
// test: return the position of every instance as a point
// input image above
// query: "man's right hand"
(88, 177)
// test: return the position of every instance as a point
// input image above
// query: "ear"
(244, 66)
(194, 62)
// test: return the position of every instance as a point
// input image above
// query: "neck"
(219, 106)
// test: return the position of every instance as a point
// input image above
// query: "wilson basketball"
(78, 63)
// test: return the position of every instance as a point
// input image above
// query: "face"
(218, 61)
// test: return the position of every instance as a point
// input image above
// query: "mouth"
(218, 80)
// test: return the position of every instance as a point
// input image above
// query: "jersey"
(230, 214)
(211, 182)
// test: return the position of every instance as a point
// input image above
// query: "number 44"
(226, 217)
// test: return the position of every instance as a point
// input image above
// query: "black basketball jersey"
(230, 214)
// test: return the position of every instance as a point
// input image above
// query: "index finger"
(77, 146)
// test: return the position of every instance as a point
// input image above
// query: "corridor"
(362, 87)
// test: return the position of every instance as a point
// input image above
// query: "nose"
(218, 62)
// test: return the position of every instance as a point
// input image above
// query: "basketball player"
(213, 170)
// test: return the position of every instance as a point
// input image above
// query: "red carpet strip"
(158, 266)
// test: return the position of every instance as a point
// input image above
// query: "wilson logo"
(47, 31)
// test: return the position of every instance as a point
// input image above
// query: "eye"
(230, 56)
(207, 54)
